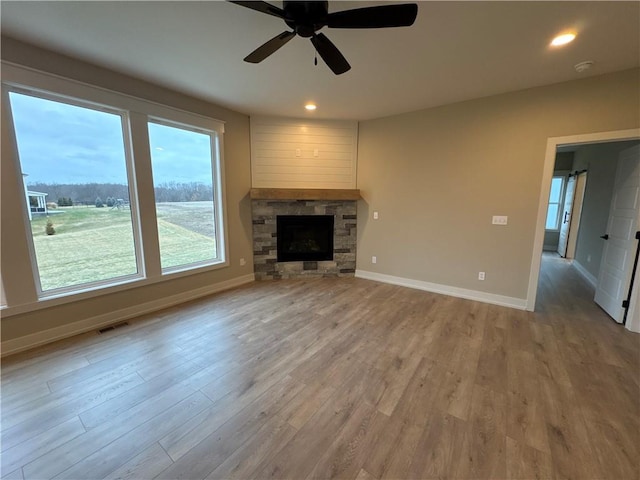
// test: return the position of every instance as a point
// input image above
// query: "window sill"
(47, 301)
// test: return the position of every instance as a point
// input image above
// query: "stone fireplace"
(300, 219)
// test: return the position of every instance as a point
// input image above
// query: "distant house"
(36, 201)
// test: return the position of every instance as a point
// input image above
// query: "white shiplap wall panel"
(274, 163)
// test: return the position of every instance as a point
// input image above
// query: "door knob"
(605, 236)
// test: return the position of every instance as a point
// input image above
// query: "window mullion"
(146, 196)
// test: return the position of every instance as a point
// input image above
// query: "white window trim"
(16, 78)
(218, 211)
(131, 186)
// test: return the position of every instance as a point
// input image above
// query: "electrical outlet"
(243, 262)
(374, 259)
(499, 220)
(480, 275)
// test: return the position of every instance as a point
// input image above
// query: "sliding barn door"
(565, 221)
(576, 214)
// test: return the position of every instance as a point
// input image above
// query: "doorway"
(587, 255)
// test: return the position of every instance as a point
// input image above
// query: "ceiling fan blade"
(263, 7)
(375, 17)
(263, 51)
(330, 54)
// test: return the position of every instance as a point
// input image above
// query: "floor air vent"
(113, 327)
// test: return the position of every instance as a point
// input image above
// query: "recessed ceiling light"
(563, 39)
(310, 106)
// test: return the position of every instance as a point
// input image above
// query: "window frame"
(560, 202)
(33, 82)
(216, 184)
(131, 187)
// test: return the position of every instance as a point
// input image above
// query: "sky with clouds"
(61, 143)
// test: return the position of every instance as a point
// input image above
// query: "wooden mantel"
(303, 194)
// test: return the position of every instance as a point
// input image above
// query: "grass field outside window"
(94, 244)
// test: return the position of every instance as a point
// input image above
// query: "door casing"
(547, 173)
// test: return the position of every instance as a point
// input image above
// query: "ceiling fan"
(306, 18)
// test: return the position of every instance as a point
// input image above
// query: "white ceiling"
(455, 51)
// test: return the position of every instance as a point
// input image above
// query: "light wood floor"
(339, 378)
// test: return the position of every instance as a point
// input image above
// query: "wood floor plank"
(16, 378)
(65, 456)
(15, 475)
(67, 398)
(364, 475)
(107, 410)
(210, 452)
(331, 377)
(438, 450)
(29, 450)
(109, 368)
(345, 456)
(485, 452)
(457, 387)
(48, 416)
(569, 442)
(492, 364)
(616, 443)
(526, 421)
(112, 456)
(268, 440)
(527, 463)
(147, 464)
(306, 444)
(181, 440)
(398, 376)
(308, 402)
(399, 462)
(17, 399)
(549, 361)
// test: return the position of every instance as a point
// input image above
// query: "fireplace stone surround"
(264, 212)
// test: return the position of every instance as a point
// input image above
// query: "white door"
(576, 213)
(565, 221)
(619, 240)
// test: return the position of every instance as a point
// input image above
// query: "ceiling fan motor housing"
(305, 18)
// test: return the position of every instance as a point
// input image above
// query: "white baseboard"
(37, 339)
(593, 281)
(502, 300)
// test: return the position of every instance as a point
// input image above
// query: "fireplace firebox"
(305, 237)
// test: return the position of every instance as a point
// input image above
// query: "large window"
(74, 165)
(82, 207)
(184, 180)
(555, 200)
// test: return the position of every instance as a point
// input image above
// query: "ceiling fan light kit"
(307, 18)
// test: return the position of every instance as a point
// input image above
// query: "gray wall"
(600, 161)
(437, 176)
